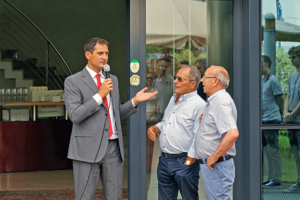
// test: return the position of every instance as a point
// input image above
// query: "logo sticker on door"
(134, 66)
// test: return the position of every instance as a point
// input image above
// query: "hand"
(141, 96)
(285, 114)
(105, 88)
(189, 161)
(210, 161)
(287, 117)
(200, 119)
(152, 131)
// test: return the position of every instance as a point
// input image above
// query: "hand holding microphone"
(107, 85)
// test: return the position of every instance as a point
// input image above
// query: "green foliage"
(151, 49)
(185, 55)
(284, 68)
(283, 132)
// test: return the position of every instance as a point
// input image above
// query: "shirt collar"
(268, 77)
(93, 73)
(212, 97)
(186, 96)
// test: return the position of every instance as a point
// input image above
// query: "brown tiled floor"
(41, 180)
(61, 180)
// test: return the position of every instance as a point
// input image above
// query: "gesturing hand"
(141, 96)
(105, 88)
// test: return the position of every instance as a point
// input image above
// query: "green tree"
(185, 55)
(284, 68)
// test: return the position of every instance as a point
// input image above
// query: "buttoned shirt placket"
(174, 108)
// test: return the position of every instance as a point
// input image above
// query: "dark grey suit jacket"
(90, 121)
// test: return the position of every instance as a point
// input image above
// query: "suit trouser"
(110, 170)
(294, 137)
(172, 175)
(218, 182)
(272, 151)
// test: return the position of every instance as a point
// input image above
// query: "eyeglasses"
(150, 78)
(209, 77)
(181, 79)
(292, 57)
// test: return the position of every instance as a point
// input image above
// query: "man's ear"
(194, 84)
(87, 55)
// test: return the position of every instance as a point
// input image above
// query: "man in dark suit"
(96, 145)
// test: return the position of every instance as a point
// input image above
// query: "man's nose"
(105, 57)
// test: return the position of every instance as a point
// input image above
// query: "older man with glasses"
(176, 171)
(215, 138)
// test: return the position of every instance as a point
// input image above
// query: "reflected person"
(151, 104)
(292, 112)
(184, 63)
(164, 85)
(272, 109)
(176, 171)
(201, 65)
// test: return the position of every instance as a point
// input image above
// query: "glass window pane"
(280, 63)
(280, 85)
(176, 33)
(281, 164)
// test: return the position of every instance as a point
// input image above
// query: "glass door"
(280, 100)
(175, 36)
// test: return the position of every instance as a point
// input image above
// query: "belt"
(174, 156)
(221, 159)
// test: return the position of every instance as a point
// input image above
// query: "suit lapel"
(114, 94)
(88, 80)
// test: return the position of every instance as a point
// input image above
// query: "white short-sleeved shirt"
(220, 116)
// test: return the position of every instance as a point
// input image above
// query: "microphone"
(106, 69)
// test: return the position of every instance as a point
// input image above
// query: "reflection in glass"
(289, 188)
(272, 109)
(281, 148)
(176, 37)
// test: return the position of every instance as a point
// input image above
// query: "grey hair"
(194, 74)
(224, 81)
(90, 44)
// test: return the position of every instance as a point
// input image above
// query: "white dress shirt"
(99, 100)
(178, 124)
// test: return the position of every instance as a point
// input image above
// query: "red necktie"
(106, 105)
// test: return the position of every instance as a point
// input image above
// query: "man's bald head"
(221, 73)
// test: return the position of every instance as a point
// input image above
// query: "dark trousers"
(272, 152)
(173, 175)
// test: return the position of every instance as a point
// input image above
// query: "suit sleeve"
(127, 108)
(77, 110)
